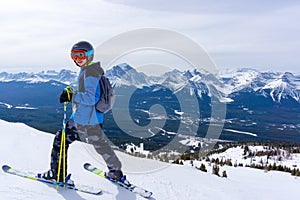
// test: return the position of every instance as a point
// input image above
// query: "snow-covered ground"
(28, 149)
(236, 155)
(26, 106)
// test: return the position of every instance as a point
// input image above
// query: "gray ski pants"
(90, 134)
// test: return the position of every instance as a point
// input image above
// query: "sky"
(263, 35)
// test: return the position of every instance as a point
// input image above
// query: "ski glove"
(66, 95)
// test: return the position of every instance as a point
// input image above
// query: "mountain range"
(260, 106)
(276, 85)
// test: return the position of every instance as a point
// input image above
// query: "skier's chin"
(80, 63)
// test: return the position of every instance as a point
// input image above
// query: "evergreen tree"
(297, 172)
(176, 161)
(203, 168)
(246, 149)
(216, 170)
(228, 162)
(224, 174)
(293, 172)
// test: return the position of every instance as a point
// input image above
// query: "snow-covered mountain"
(25, 148)
(277, 85)
(284, 86)
(264, 104)
(64, 76)
(124, 74)
(235, 80)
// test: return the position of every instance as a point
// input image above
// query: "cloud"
(39, 34)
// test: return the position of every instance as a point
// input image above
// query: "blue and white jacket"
(88, 95)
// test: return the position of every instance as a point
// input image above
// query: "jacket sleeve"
(89, 96)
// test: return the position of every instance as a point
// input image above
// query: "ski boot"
(48, 175)
(125, 181)
(115, 175)
(51, 175)
(69, 181)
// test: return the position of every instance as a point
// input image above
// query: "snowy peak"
(235, 80)
(124, 74)
(119, 70)
(174, 80)
(283, 86)
(274, 85)
(64, 76)
(277, 85)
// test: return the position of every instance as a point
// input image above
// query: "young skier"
(85, 123)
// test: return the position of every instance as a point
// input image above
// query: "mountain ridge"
(278, 85)
(261, 103)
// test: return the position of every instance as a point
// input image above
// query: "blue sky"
(264, 35)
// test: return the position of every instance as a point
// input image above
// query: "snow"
(26, 108)
(239, 79)
(193, 142)
(275, 85)
(132, 149)
(165, 132)
(151, 132)
(63, 76)
(281, 85)
(178, 112)
(226, 100)
(6, 105)
(241, 132)
(28, 149)
(196, 78)
(236, 155)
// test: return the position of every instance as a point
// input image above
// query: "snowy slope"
(28, 149)
(236, 155)
(237, 79)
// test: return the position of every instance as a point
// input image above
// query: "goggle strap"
(90, 52)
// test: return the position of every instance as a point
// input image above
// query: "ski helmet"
(83, 45)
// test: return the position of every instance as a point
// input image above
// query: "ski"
(131, 187)
(29, 175)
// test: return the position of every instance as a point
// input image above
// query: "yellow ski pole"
(62, 152)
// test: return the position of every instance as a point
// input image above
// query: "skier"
(85, 123)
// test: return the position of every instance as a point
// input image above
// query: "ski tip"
(5, 168)
(68, 177)
(86, 165)
(99, 193)
(148, 196)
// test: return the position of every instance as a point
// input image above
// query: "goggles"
(80, 54)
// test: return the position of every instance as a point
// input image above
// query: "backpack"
(107, 96)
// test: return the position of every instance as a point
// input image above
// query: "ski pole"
(62, 152)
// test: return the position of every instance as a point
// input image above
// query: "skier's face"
(80, 57)
(81, 63)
